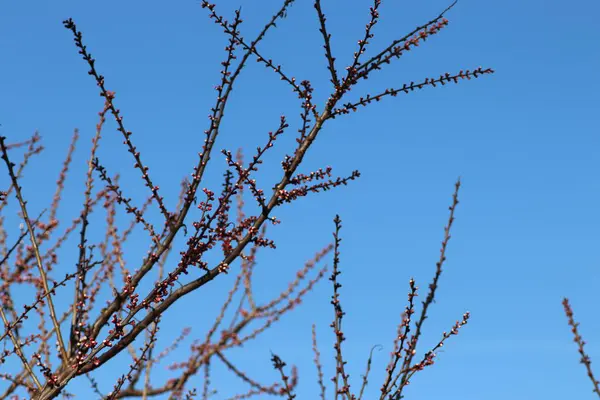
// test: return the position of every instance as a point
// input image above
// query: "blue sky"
(524, 141)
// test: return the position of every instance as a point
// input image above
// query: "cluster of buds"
(51, 379)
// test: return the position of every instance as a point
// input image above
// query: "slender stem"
(19, 351)
(36, 251)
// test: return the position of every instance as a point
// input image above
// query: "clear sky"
(525, 142)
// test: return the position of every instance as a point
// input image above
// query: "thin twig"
(585, 359)
(36, 250)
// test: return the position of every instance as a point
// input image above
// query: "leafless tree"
(231, 225)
